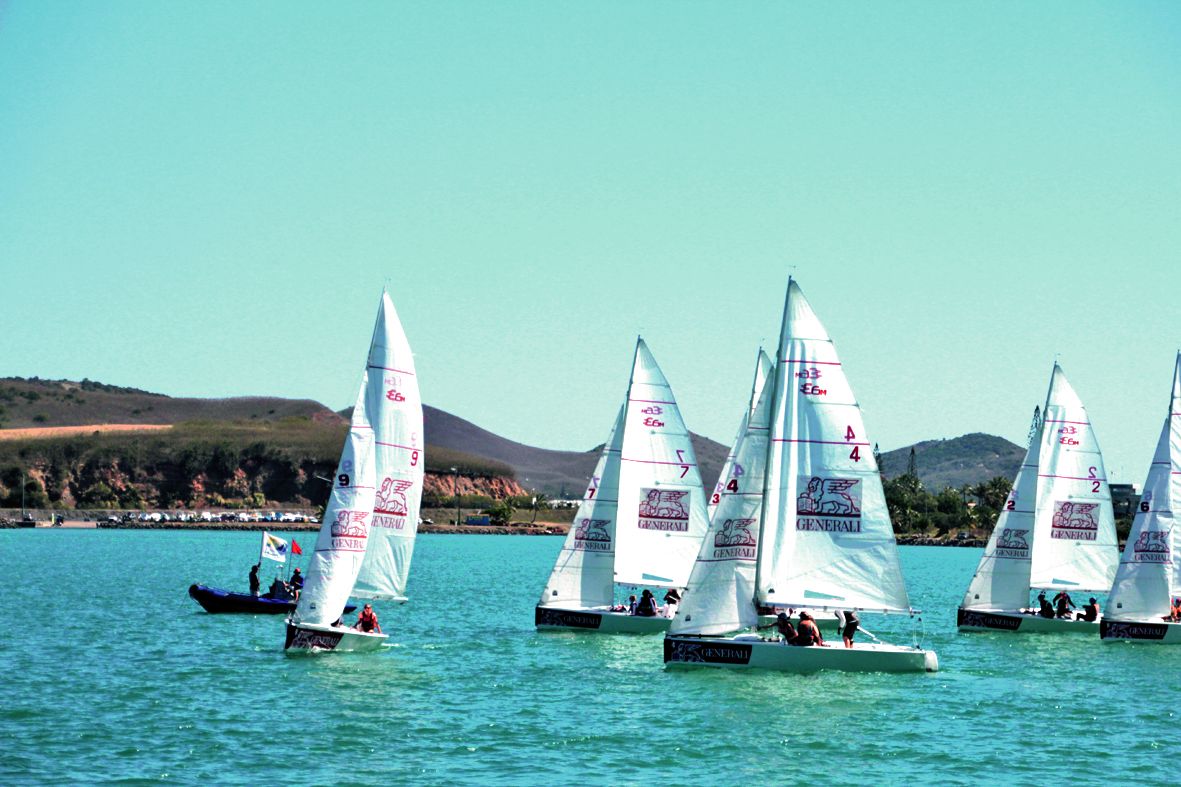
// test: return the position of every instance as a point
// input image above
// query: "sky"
(206, 199)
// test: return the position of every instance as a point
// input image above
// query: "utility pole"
(22, 495)
(455, 470)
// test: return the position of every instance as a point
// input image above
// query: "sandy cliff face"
(115, 482)
(497, 487)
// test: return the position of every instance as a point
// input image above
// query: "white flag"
(273, 548)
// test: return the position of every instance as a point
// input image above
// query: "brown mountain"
(970, 459)
(557, 473)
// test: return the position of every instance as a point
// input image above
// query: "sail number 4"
(855, 454)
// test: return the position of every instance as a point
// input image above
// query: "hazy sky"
(206, 198)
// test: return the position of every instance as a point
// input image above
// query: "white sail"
(1149, 575)
(395, 410)
(721, 591)
(762, 369)
(1074, 541)
(826, 541)
(583, 576)
(661, 518)
(1001, 581)
(341, 544)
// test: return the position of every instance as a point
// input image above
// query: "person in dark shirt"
(850, 628)
(1064, 604)
(254, 583)
(647, 606)
(1090, 612)
(782, 624)
(1047, 610)
(295, 584)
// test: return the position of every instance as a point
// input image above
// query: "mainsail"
(762, 369)
(825, 539)
(722, 586)
(1074, 541)
(1149, 576)
(345, 531)
(395, 408)
(583, 575)
(1002, 577)
(661, 518)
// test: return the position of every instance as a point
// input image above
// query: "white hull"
(1021, 622)
(746, 651)
(307, 638)
(600, 620)
(1156, 632)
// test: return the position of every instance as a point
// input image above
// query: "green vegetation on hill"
(38, 403)
(196, 463)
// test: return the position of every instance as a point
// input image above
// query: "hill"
(970, 459)
(34, 402)
(562, 474)
(559, 474)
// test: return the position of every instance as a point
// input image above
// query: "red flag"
(295, 550)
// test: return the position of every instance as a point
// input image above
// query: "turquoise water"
(112, 673)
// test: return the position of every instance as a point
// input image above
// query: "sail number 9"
(343, 479)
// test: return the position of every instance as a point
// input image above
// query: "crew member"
(367, 620)
(254, 583)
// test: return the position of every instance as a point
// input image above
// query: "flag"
(273, 548)
(295, 550)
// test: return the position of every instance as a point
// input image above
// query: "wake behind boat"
(1149, 575)
(1055, 534)
(640, 522)
(804, 525)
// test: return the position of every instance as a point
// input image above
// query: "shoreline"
(513, 529)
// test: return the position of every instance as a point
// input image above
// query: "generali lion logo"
(1074, 521)
(831, 497)
(391, 497)
(350, 524)
(662, 509)
(734, 533)
(1152, 546)
(1012, 543)
(829, 505)
(591, 535)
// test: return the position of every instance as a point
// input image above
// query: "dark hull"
(215, 600)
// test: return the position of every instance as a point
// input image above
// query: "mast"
(776, 388)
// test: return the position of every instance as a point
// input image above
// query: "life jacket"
(368, 622)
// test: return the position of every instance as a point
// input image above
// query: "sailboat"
(641, 520)
(732, 470)
(1057, 530)
(805, 527)
(1149, 576)
(367, 537)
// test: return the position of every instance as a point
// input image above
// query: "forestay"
(762, 369)
(721, 591)
(1149, 575)
(1074, 541)
(1001, 581)
(661, 518)
(395, 408)
(341, 544)
(583, 576)
(826, 541)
